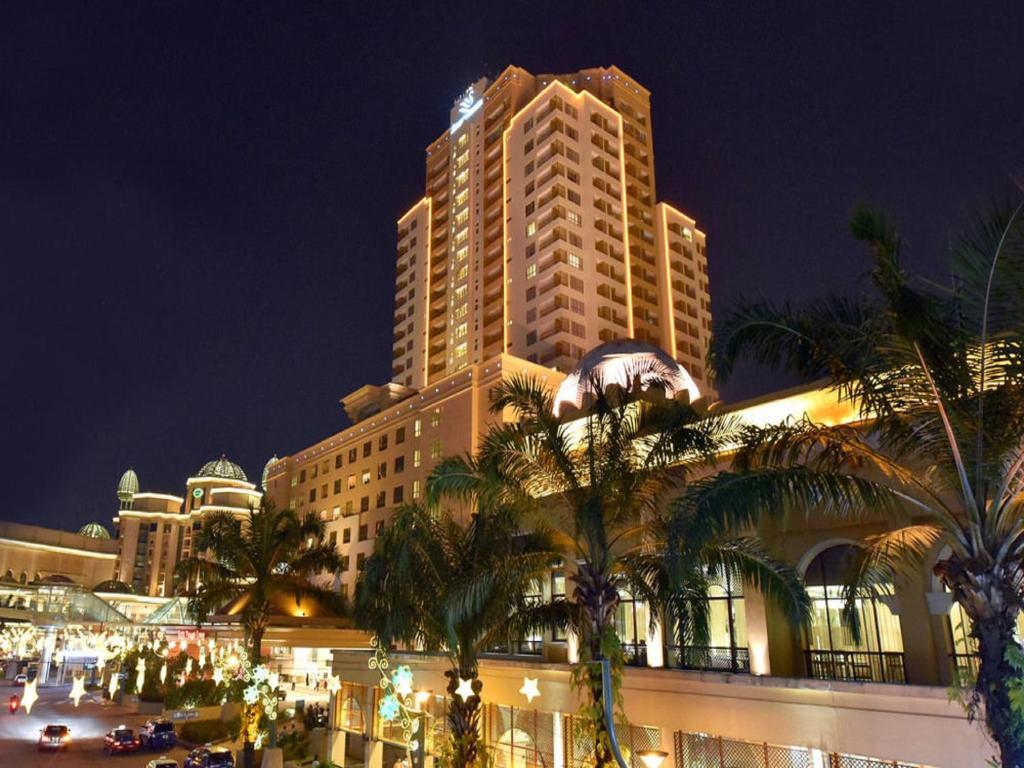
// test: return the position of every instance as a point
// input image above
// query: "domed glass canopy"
(94, 531)
(222, 467)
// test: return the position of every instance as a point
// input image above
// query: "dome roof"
(266, 470)
(621, 362)
(128, 485)
(113, 585)
(94, 531)
(222, 467)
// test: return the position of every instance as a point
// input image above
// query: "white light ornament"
(464, 689)
(140, 675)
(394, 704)
(334, 684)
(218, 675)
(29, 697)
(163, 673)
(114, 682)
(529, 689)
(77, 689)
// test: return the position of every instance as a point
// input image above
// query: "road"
(88, 723)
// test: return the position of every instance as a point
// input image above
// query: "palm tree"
(599, 482)
(938, 374)
(253, 561)
(436, 584)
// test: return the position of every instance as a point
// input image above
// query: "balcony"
(862, 666)
(714, 658)
(965, 667)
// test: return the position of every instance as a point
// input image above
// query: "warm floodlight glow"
(652, 758)
(529, 689)
(422, 697)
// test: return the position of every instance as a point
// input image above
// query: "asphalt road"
(88, 722)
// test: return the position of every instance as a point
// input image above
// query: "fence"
(695, 750)
(867, 666)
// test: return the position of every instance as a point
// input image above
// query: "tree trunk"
(463, 718)
(995, 636)
(599, 599)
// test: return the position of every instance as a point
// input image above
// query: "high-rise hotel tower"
(540, 234)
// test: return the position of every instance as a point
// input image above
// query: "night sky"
(198, 200)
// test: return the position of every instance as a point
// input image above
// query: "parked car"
(54, 737)
(162, 762)
(121, 740)
(210, 757)
(158, 734)
(21, 679)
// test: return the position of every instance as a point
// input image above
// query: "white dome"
(621, 362)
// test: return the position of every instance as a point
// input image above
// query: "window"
(367, 448)
(302, 476)
(364, 504)
(346, 536)
(323, 491)
(351, 481)
(832, 652)
(435, 449)
(531, 338)
(417, 428)
(399, 464)
(351, 455)
(332, 540)
(399, 435)
(366, 476)
(349, 507)
(531, 271)
(398, 495)
(364, 532)
(378, 528)
(335, 513)
(382, 470)
(312, 494)
(531, 229)
(315, 471)
(574, 260)
(337, 486)
(631, 627)
(344, 562)
(337, 461)
(415, 489)
(382, 499)
(360, 561)
(382, 443)
(416, 457)
(727, 632)
(435, 417)
(573, 217)
(558, 593)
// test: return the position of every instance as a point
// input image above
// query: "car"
(162, 762)
(121, 740)
(158, 734)
(21, 679)
(210, 757)
(54, 737)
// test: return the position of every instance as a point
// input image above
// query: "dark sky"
(197, 200)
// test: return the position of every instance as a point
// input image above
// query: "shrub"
(194, 693)
(202, 731)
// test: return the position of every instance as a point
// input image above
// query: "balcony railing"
(868, 666)
(717, 658)
(635, 654)
(965, 666)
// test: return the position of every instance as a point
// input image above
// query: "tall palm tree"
(599, 482)
(254, 559)
(938, 374)
(457, 589)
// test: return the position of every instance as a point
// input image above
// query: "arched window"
(727, 624)
(631, 620)
(832, 652)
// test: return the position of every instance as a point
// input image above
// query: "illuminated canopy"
(620, 362)
(222, 467)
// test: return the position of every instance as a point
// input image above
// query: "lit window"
(574, 261)
(573, 217)
(351, 481)
(415, 489)
(531, 228)
(531, 271)
(435, 418)
(435, 449)
(417, 428)
(461, 330)
(366, 476)
(460, 350)
(416, 457)
(463, 272)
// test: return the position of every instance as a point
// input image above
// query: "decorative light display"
(163, 673)
(77, 689)
(397, 704)
(114, 682)
(464, 689)
(29, 697)
(529, 689)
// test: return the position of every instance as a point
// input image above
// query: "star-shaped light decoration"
(112, 688)
(334, 684)
(401, 678)
(140, 677)
(529, 689)
(77, 688)
(272, 680)
(29, 697)
(218, 675)
(188, 666)
(465, 689)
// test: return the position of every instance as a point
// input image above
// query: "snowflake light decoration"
(397, 705)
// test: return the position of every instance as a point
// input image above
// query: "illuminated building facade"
(540, 235)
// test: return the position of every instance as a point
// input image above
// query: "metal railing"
(716, 658)
(965, 666)
(635, 654)
(695, 750)
(866, 666)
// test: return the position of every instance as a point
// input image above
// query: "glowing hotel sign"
(466, 107)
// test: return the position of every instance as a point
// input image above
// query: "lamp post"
(652, 758)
